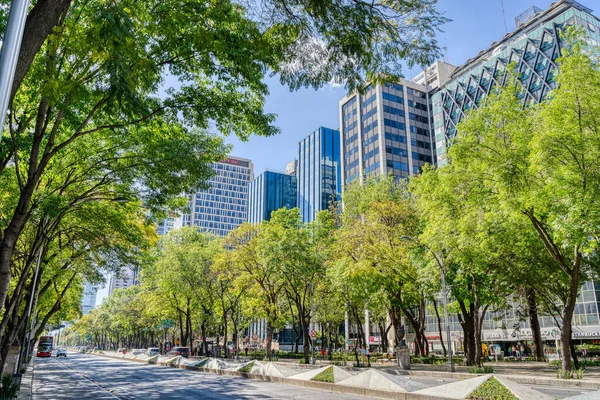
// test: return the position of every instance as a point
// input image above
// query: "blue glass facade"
(224, 206)
(319, 172)
(268, 192)
(533, 47)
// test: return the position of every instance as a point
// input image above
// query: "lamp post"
(440, 262)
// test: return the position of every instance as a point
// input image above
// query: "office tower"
(319, 172)
(224, 206)
(88, 299)
(534, 47)
(268, 192)
(387, 129)
(127, 276)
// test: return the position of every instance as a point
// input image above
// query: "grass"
(492, 389)
(247, 368)
(325, 376)
(10, 387)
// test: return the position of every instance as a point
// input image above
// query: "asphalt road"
(88, 377)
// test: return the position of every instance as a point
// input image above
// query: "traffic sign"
(168, 323)
(313, 334)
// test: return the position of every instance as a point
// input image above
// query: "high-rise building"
(268, 192)
(128, 276)
(387, 128)
(319, 172)
(534, 47)
(224, 206)
(88, 299)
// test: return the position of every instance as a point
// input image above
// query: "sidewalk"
(26, 391)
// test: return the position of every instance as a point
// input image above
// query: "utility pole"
(11, 45)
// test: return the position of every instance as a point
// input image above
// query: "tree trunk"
(467, 322)
(43, 17)
(567, 321)
(439, 324)
(304, 323)
(538, 346)
(269, 340)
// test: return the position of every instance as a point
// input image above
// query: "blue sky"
(475, 25)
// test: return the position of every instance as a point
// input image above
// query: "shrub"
(492, 389)
(10, 387)
(486, 369)
(325, 376)
(573, 374)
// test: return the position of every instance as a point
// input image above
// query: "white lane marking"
(91, 381)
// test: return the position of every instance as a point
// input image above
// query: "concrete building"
(269, 192)
(319, 172)
(387, 129)
(88, 299)
(127, 277)
(224, 206)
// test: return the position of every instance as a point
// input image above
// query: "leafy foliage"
(492, 389)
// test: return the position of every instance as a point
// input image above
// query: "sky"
(475, 25)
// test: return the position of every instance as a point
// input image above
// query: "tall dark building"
(319, 172)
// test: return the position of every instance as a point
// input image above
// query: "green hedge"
(492, 389)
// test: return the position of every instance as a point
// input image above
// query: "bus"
(45, 346)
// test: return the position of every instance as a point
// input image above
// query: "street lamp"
(439, 260)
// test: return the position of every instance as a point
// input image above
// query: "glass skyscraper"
(319, 172)
(534, 47)
(268, 192)
(224, 206)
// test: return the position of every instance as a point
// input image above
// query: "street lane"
(91, 377)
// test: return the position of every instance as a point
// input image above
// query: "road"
(90, 377)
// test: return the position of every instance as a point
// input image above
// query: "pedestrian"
(246, 350)
(522, 351)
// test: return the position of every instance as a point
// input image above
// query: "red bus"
(45, 346)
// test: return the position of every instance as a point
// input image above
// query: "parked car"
(61, 352)
(179, 351)
(137, 352)
(44, 351)
(82, 349)
(152, 351)
(122, 350)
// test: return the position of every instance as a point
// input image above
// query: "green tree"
(538, 164)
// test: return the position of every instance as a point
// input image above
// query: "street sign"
(255, 336)
(313, 334)
(168, 323)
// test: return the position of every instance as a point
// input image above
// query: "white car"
(61, 352)
(137, 352)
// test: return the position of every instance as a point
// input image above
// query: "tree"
(85, 77)
(258, 275)
(538, 164)
(184, 280)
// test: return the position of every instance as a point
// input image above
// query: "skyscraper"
(128, 276)
(534, 47)
(319, 172)
(387, 128)
(224, 206)
(88, 299)
(268, 192)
